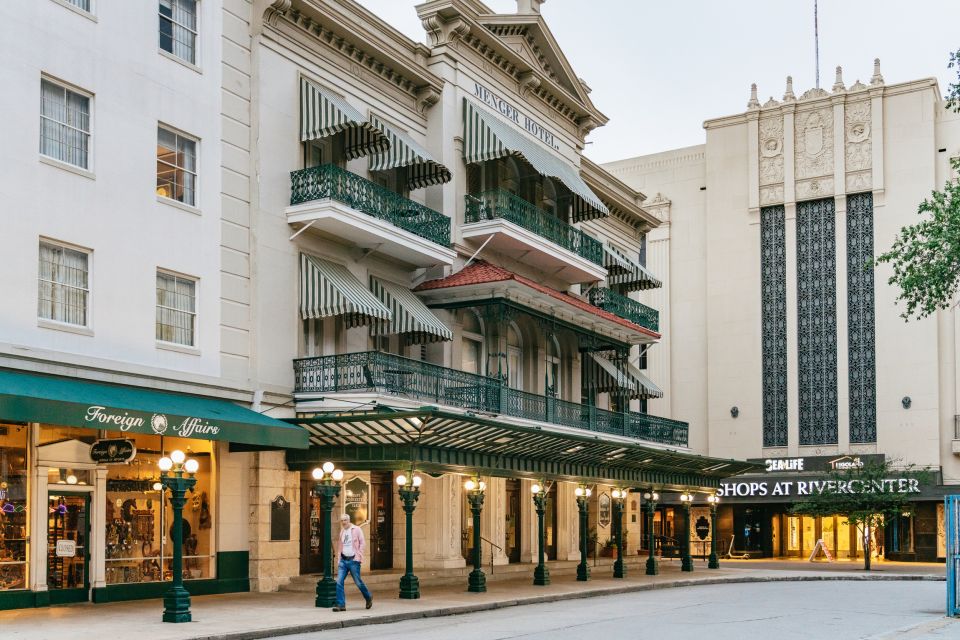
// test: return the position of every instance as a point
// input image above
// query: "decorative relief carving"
(771, 194)
(813, 144)
(814, 188)
(771, 150)
(858, 147)
(859, 181)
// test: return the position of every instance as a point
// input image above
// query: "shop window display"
(13, 507)
(139, 547)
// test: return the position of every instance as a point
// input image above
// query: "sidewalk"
(262, 615)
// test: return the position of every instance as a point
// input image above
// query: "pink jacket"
(359, 542)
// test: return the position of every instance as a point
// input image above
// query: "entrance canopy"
(441, 441)
(27, 397)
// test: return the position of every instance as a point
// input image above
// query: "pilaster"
(443, 503)
(843, 380)
(790, 253)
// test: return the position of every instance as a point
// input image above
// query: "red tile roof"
(482, 272)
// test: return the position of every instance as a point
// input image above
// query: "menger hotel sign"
(511, 113)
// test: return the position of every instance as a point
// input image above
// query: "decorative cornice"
(444, 32)
(527, 81)
(427, 96)
(276, 11)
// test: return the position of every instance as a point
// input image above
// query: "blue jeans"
(353, 568)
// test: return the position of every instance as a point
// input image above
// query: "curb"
(260, 634)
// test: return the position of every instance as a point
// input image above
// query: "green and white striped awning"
(422, 169)
(324, 114)
(606, 377)
(487, 137)
(625, 272)
(409, 315)
(329, 289)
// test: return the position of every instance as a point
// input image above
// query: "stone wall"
(272, 563)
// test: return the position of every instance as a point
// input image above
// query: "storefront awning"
(625, 272)
(329, 289)
(28, 397)
(324, 114)
(486, 137)
(442, 441)
(606, 377)
(422, 169)
(409, 316)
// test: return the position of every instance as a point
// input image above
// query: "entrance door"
(513, 528)
(68, 549)
(311, 531)
(550, 524)
(381, 526)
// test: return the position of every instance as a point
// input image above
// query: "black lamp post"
(714, 562)
(541, 575)
(176, 601)
(327, 486)
(583, 506)
(686, 562)
(409, 493)
(619, 497)
(477, 581)
(650, 505)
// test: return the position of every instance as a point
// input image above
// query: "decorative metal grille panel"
(773, 296)
(861, 354)
(817, 321)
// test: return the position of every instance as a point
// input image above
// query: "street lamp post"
(583, 506)
(686, 562)
(327, 485)
(477, 581)
(541, 575)
(409, 493)
(714, 562)
(176, 601)
(619, 497)
(650, 504)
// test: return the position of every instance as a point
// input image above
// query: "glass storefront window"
(13, 507)
(139, 515)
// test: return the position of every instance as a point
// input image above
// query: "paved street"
(807, 610)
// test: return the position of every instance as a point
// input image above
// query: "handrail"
(394, 375)
(331, 181)
(492, 545)
(498, 203)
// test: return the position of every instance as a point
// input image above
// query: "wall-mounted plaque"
(356, 500)
(604, 515)
(114, 451)
(280, 519)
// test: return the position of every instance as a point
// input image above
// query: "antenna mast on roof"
(816, 42)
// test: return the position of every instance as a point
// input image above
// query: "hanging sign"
(702, 528)
(66, 548)
(115, 451)
(605, 507)
(356, 500)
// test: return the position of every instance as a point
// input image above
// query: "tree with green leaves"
(865, 496)
(926, 256)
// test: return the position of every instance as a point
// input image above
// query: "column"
(37, 505)
(494, 521)
(790, 229)
(441, 503)
(98, 531)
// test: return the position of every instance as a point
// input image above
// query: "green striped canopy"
(410, 315)
(487, 137)
(422, 169)
(329, 289)
(625, 272)
(324, 114)
(606, 377)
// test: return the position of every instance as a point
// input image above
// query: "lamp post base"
(541, 575)
(409, 587)
(477, 581)
(713, 562)
(619, 569)
(653, 567)
(176, 605)
(583, 572)
(686, 564)
(326, 592)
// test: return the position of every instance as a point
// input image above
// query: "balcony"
(389, 375)
(334, 201)
(524, 232)
(626, 308)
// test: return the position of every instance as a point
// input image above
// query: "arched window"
(509, 175)
(553, 366)
(514, 358)
(471, 346)
(549, 200)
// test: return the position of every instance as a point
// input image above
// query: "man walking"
(350, 546)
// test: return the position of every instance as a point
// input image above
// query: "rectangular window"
(176, 309)
(176, 166)
(64, 285)
(178, 28)
(14, 513)
(64, 124)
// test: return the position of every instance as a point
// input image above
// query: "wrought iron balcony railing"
(627, 308)
(498, 203)
(389, 374)
(330, 181)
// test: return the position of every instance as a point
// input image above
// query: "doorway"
(68, 548)
(550, 524)
(381, 526)
(513, 520)
(311, 530)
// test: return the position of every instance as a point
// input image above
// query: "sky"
(659, 68)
